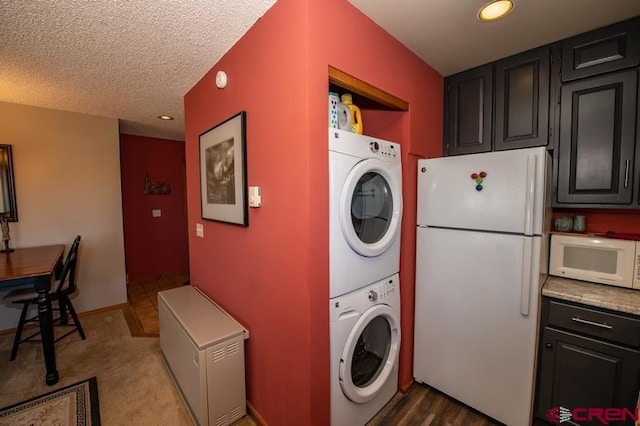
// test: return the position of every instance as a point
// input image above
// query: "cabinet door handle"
(597, 324)
(626, 173)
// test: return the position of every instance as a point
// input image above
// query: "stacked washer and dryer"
(365, 211)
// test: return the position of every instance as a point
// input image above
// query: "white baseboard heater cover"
(203, 348)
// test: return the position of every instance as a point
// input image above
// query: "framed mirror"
(8, 206)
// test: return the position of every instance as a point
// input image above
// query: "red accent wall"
(154, 246)
(601, 220)
(273, 275)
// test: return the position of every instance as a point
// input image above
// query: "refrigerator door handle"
(525, 286)
(530, 192)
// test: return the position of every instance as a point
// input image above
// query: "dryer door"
(370, 208)
(370, 354)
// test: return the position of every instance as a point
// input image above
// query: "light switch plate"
(255, 196)
(156, 212)
(199, 230)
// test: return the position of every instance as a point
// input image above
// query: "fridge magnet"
(223, 172)
(478, 178)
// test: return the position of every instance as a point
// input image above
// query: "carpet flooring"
(73, 405)
(133, 384)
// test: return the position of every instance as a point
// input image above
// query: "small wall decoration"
(155, 188)
(223, 172)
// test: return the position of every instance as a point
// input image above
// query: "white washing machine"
(364, 334)
(365, 210)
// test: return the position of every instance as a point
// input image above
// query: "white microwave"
(600, 260)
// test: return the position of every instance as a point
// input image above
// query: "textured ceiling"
(131, 59)
(447, 35)
(135, 59)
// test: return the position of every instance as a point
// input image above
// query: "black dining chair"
(61, 289)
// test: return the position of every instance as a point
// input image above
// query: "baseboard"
(255, 415)
(105, 309)
(122, 306)
(405, 388)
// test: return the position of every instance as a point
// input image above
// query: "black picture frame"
(223, 171)
(8, 205)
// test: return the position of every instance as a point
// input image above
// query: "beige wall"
(67, 174)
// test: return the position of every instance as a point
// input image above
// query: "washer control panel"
(384, 290)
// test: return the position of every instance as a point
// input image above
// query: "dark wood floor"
(142, 314)
(422, 405)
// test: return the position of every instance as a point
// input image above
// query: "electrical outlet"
(156, 212)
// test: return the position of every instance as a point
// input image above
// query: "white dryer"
(365, 340)
(365, 210)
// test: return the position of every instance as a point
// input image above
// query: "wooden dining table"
(36, 266)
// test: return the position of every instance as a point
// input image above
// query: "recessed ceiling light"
(495, 10)
(165, 117)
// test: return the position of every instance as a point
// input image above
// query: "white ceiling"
(127, 59)
(134, 60)
(448, 35)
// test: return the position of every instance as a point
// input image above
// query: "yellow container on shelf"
(356, 115)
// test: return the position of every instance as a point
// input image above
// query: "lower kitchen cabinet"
(589, 360)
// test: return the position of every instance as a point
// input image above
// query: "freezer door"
(476, 314)
(509, 198)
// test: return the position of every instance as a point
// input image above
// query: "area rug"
(72, 405)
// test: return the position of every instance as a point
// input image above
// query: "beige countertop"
(600, 295)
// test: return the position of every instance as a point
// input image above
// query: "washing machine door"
(370, 354)
(370, 208)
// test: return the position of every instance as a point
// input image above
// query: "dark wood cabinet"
(579, 97)
(522, 100)
(595, 158)
(604, 50)
(588, 358)
(467, 114)
(499, 106)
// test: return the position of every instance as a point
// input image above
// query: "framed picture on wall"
(223, 171)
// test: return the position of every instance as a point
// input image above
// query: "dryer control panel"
(363, 146)
(384, 150)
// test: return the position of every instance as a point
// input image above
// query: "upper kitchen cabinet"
(522, 100)
(519, 117)
(595, 158)
(612, 48)
(467, 111)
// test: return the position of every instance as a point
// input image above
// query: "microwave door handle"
(529, 195)
(525, 284)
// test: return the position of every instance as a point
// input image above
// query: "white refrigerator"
(482, 233)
